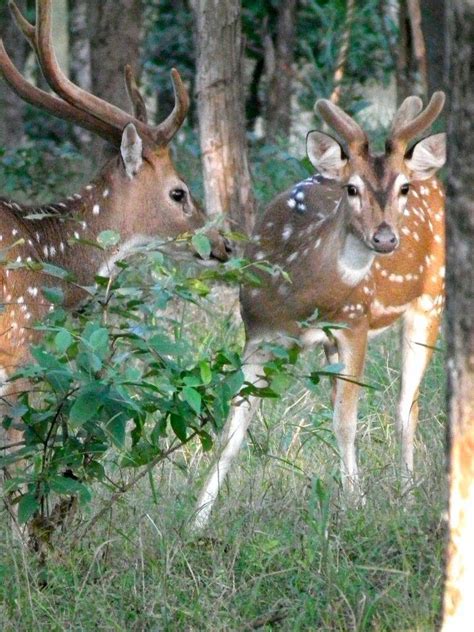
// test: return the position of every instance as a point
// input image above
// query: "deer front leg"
(233, 437)
(420, 330)
(352, 345)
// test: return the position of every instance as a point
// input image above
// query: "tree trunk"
(458, 599)
(115, 35)
(280, 73)
(80, 56)
(343, 52)
(11, 106)
(411, 59)
(220, 100)
(433, 25)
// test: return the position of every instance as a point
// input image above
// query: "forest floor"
(281, 552)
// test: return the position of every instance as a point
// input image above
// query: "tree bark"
(433, 25)
(115, 36)
(343, 52)
(280, 74)
(411, 59)
(220, 100)
(80, 56)
(11, 106)
(458, 601)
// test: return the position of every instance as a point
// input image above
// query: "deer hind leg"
(419, 334)
(332, 357)
(352, 345)
(233, 436)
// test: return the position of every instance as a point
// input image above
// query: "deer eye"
(352, 191)
(404, 189)
(178, 195)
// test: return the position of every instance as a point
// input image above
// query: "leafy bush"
(121, 383)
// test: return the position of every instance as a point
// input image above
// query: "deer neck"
(353, 258)
(60, 237)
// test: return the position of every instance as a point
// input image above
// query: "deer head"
(377, 186)
(146, 196)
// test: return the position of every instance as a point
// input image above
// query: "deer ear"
(427, 156)
(131, 150)
(326, 154)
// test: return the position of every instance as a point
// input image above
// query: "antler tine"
(165, 131)
(410, 107)
(136, 99)
(344, 125)
(52, 104)
(22, 23)
(403, 132)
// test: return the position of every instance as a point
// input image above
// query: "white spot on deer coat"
(286, 232)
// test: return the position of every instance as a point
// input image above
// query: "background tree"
(220, 100)
(280, 57)
(80, 55)
(458, 602)
(115, 28)
(12, 108)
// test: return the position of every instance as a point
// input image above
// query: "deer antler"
(136, 99)
(342, 123)
(48, 102)
(411, 120)
(110, 116)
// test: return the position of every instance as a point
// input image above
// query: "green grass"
(281, 551)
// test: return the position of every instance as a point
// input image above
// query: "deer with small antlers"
(138, 193)
(363, 243)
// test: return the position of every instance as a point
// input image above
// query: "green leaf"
(206, 373)
(179, 426)
(116, 427)
(66, 485)
(54, 295)
(202, 245)
(63, 340)
(193, 398)
(27, 507)
(56, 271)
(108, 238)
(85, 407)
(99, 341)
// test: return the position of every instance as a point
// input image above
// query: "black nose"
(384, 239)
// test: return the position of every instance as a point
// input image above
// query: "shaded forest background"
(290, 53)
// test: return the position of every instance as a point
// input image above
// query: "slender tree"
(80, 55)
(115, 35)
(458, 601)
(280, 56)
(220, 100)
(11, 107)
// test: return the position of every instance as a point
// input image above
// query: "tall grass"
(281, 552)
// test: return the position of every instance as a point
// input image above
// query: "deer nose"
(384, 239)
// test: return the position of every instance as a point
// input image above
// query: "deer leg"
(233, 437)
(352, 344)
(332, 357)
(420, 330)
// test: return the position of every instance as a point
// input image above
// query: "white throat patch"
(355, 261)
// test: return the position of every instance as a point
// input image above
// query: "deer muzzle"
(384, 240)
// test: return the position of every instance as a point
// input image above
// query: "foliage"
(26, 172)
(121, 381)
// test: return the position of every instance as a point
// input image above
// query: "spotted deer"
(363, 243)
(138, 193)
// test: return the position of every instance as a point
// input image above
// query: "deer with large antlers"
(363, 243)
(138, 193)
